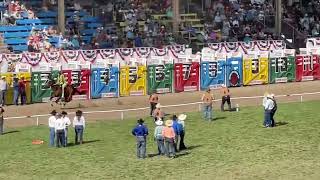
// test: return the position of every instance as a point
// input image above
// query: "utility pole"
(278, 18)
(176, 15)
(61, 16)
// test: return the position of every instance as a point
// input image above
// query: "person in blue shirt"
(15, 90)
(177, 127)
(141, 132)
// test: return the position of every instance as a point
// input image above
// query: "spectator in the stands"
(75, 42)
(138, 41)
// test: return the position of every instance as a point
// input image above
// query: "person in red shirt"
(22, 90)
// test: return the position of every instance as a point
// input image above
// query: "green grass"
(232, 147)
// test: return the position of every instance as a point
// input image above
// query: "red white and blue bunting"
(89, 55)
(244, 47)
(107, 53)
(70, 55)
(143, 51)
(12, 57)
(33, 58)
(52, 57)
(160, 52)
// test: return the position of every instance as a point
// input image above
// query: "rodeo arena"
(115, 81)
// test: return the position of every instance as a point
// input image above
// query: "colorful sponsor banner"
(281, 66)
(234, 69)
(255, 68)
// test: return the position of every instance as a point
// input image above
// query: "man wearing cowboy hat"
(158, 113)
(67, 122)
(59, 126)
(169, 136)
(3, 90)
(181, 119)
(51, 123)
(207, 100)
(268, 106)
(158, 137)
(177, 130)
(141, 133)
(79, 124)
(225, 97)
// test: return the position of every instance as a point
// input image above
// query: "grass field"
(235, 146)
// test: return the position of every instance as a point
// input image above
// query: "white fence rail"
(122, 111)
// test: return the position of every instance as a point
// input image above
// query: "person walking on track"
(153, 100)
(207, 100)
(225, 97)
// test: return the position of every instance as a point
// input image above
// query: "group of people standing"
(59, 124)
(19, 90)
(207, 102)
(169, 136)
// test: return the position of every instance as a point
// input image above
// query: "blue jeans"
(79, 134)
(160, 144)
(60, 138)
(141, 147)
(207, 112)
(15, 97)
(169, 145)
(267, 118)
(66, 137)
(51, 137)
(3, 97)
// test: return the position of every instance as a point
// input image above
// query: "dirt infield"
(167, 99)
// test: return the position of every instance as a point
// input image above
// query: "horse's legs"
(51, 100)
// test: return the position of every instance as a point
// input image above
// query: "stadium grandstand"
(48, 25)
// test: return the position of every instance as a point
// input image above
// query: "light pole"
(278, 16)
(61, 16)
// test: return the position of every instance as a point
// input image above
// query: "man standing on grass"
(3, 90)
(153, 100)
(51, 123)
(268, 107)
(177, 131)
(60, 128)
(1, 120)
(67, 122)
(207, 100)
(225, 97)
(141, 133)
(274, 110)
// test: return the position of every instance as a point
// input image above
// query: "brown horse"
(57, 92)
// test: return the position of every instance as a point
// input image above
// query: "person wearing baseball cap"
(140, 131)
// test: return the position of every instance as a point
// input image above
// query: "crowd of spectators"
(16, 11)
(223, 20)
(304, 16)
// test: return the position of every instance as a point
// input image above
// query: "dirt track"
(167, 99)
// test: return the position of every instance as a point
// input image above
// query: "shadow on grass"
(182, 154)
(280, 123)
(193, 147)
(84, 142)
(9, 132)
(218, 118)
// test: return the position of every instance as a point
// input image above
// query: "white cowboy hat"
(223, 85)
(158, 105)
(272, 95)
(159, 123)
(269, 96)
(169, 123)
(182, 117)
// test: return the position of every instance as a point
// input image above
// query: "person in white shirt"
(79, 125)
(268, 105)
(67, 122)
(59, 127)
(3, 90)
(51, 123)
